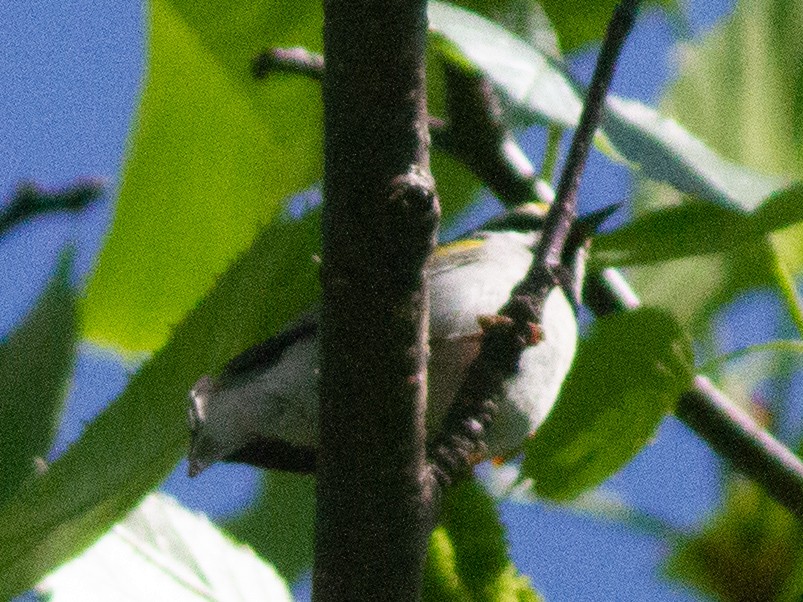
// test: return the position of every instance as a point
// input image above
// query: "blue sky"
(71, 72)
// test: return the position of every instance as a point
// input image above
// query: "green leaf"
(530, 81)
(214, 153)
(537, 89)
(699, 228)
(35, 365)
(279, 526)
(162, 551)
(694, 228)
(739, 88)
(626, 378)
(524, 18)
(457, 187)
(666, 152)
(137, 441)
(740, 92)
(579, 22)
(467, 558)
(710, 253)
(750, 551)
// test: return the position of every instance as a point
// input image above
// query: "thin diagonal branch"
(29, 201)
(561, 215)
(460, 442)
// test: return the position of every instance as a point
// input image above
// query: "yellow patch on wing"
(455, 254)
(458, 246)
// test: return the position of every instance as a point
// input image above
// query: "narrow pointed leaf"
(138, 440)
(35, 365)
(697, 228)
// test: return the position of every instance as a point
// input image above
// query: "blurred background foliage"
(203, 258)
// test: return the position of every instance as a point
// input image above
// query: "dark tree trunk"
(379, 222)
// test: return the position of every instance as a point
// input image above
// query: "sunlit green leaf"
(162, 551)
(467, 558)
(279, 526)
(740, 92)
(626, 378)
(536, 88)
(750, 551)
(214, 153)
(530, 81)
(137, 441)
(35, 363)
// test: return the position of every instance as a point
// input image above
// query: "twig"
(749, 448)
(460, 442)
(29, 201)
(297, 61)
(561, 215)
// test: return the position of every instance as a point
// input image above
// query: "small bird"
(265, 403)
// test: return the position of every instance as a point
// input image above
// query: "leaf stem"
(554, 134)
(779, 346)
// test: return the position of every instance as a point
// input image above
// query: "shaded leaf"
(279, 526)
(137, 441)
(214, 153)
(467, 558)
(537, 89)
(162, 551)
(457, 187)
(697, 228)
(691, 229)
(750, 551)
(35, 364)
(626, 378)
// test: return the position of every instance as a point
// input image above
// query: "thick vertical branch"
(379, 221)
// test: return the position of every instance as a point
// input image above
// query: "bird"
(264, 404)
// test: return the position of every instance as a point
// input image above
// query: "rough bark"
(379, 220)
